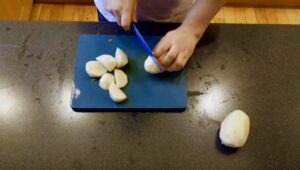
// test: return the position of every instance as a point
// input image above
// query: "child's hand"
(176, 47)
(123, 10)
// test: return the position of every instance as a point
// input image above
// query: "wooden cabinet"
(15, 9)
(65, 1)
(278, 3)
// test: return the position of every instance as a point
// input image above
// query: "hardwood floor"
(245, 15)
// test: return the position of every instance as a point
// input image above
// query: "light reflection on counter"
(211, 101)
(209, 105)
(217, 100)
(8, 105)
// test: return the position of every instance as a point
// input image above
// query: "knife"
(146, 47)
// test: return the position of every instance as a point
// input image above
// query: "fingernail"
(126, 28)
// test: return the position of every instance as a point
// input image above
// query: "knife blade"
(146, 47)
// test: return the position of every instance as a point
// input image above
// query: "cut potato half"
(121, 78)
(116, 94)
(106, 80)
(108, 61)
(121, 58)
(150, 66)
(94, 69)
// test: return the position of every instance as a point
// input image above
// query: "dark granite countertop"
(255, 68)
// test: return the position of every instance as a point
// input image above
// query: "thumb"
(126, 20)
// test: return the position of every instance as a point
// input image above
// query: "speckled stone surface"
(249, 67)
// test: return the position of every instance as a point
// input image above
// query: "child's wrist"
(196, 29)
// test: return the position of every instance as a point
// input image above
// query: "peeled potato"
(94, 69)
(121, 58)
(121, 78)
(106, 80)
(116, 94)
(150, 66)
(108, 61)
(235, 129)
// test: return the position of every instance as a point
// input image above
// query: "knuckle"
(158, 51)
(179, 64)
(161, 49)
(170, 56)
(173, 51)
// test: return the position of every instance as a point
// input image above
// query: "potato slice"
(94, 69)
(116, 94)
(121, 58)
(108, 61)
(106, 80)
(121, 78)
(234, 129)
(150, 66)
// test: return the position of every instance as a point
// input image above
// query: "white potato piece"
(108, 61)
(106, 80)
(121, 58)
(235, 129)
(94, 69)
(150, 66)
(116, 94)
(121, 78)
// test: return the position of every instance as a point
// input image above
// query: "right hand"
(124, 11)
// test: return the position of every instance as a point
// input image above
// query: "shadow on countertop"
(222, 148)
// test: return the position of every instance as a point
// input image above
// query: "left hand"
(124, 11)
(176, 47)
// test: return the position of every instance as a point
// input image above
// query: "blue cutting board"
(145, 92)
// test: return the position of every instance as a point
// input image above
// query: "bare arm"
(201, 14)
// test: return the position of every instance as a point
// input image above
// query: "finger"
(169, 58)
(134, 12)
(159, 58)
(179, 63)
(118, 17)
(125, 21)
(126, 17)
(161, 48)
